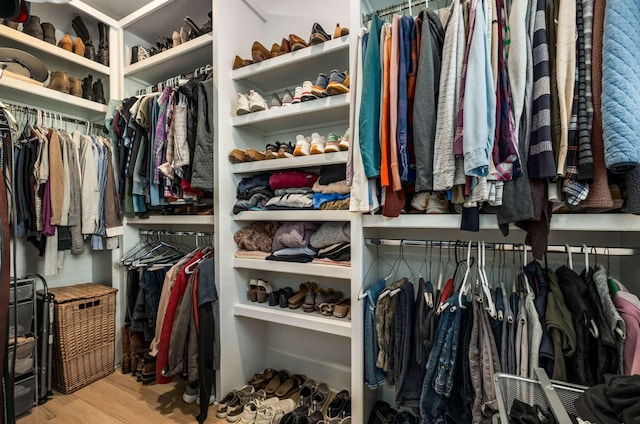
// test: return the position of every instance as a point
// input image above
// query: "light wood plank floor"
(119, 398)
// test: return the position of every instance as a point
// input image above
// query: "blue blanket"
(621, 85)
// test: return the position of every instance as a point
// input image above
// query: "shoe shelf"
(559, 222)
(290, 163)
(306, 63)
(293, 215)
(333, 271)
(286, 119)
(172, 220)
(294, 318)
(15, 90)
(181, 59)
(10, 37)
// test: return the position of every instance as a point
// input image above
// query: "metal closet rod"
(55, 115)
(600, 250)
(174, 233)
(390, 10)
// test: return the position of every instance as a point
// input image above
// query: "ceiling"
(117, 9)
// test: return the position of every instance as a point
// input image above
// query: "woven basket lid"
(80, 291)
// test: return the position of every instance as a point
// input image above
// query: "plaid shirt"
(575, 190)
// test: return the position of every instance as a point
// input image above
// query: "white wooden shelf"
(332, 109)
(305, 63)
(293, 215)
(333, 271)
(16, 90)
(294, 318)
(181, 59)
(43, 50)
(559, 222)
(290, 163)
(172, 220)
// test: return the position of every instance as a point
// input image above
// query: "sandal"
(290, 386)
(252, 293)
(277, 380)
(319, 397)
(258, 381)
(327, 309)
(342, 308)
(298, 299)
(263, 288)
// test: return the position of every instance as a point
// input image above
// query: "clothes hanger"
(567, 249)
(410, 278)
(491, 307)
(464, 287)
(593, 328)
(361, 293)
(191, 268)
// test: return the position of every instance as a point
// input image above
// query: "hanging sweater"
(566, 68)
(56, 178)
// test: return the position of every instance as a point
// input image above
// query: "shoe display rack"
(57, 59)
(257, 335)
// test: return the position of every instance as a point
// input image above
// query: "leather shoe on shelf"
(78, 47)
(33, 27)
(296, 42)
(87, 88)
(75, 86)
(59, 81)
(284, 46)
(275, 50)
(340, 31)
(259, 52)
(239, 62)
(49, 33)
(10, 24)
(318, 35)
(66, 43)
(103, 45)
(98, 92)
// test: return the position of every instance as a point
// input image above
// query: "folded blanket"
(293, 234)
(251, 254)
(320, 198)
(291, 201)
(331, 233)
(256, 236)
(296, 251)
(620, 82)
(340, 187)
(290, 179)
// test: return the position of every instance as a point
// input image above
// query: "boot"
(49, 33)
(136, 343)
(98, 92)
(59, 81)
(81, 31)
(87, 88)
(103, 46)
(33, 27)
(90, 52)
(66, 43)
(75, 86)
(78, 47)
(126, 350)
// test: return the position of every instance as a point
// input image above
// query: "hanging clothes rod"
(48, 113)
(173, 81)
(406, 5)
(174, 233)
(599, 250)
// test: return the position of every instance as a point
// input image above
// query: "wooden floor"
(118, 398)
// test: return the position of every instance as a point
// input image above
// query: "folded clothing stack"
(301, 242)
(292, 190)
(331, 191)
(253, 193)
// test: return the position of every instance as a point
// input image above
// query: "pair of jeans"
(438, 381)
(458, 410)
(373, 376)
(151, 283)
(408, 376)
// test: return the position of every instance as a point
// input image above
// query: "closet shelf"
(290, 163)
(181, 59)
(303, 115)
(45, 51)
(293, 215)
(559, 222)
(294, 318)
(304, 63)
(333, 271)
(35, 95)
(163, 16)
(172, 220)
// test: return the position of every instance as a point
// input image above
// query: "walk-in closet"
(286, 211)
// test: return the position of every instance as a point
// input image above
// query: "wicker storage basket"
(84, 335)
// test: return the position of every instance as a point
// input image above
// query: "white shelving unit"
(333, 271)
(289, 163)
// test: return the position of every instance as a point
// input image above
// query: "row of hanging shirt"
(64, 187)
(439, 347)
(165, 142)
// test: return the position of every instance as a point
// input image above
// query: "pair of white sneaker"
(306, 146)
(252, 102)
(268, 411)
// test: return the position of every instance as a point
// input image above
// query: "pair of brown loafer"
(260, 53)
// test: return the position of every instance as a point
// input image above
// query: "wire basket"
(510, 387)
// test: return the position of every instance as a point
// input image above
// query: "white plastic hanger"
(491, 307)
(569, 256)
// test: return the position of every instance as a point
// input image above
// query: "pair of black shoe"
(301, 415)
(280, 297)
(93, 91)
(383, 413)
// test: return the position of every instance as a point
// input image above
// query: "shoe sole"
(308, 308)
(337, 88)
(241, 112)
(308, 96)
(319, 91)
(256, 108)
